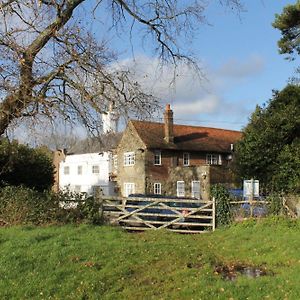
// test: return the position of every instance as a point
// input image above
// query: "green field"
(86, 262)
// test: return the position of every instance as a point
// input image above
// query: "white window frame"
(186, 159)
(157, 158)
(195, 189)
(157, 188)
(180, 188)
(129, 188)
(95, 169)
(79, 170)
(66, 170)
(129, 159)
(214, 159)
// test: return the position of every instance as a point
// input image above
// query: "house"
(89, 164)
(170, 159)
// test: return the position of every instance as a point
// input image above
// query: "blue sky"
(240, 59)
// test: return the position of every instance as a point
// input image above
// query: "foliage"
(288, 22)
(223, 210)
(275, 205)
(93, 262)
(78, 208)
(269, 150)
(21, 165)
(21, 205)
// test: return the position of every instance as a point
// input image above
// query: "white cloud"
(207, 104)
(194, 98)
(251, 66)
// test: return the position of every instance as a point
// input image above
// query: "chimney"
(110, 120)
(168, 118)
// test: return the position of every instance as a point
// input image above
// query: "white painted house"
(86, 172)
(90, 163)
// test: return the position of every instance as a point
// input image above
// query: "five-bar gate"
(179, 215)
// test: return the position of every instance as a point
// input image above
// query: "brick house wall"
(144, 138)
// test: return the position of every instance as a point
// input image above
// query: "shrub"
(78, 208)
(275, 205)
(21, 205)
(223, 211)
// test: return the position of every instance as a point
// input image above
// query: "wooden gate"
(179, 215)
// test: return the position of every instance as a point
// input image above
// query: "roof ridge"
(194, 126)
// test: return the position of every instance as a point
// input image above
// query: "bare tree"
(51, 66)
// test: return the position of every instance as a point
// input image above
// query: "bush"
(21, 205)
(77, 208)
(275, 205)
(223, 211)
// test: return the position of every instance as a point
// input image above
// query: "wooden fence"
(179, 215)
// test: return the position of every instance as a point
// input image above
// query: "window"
(186, 159)
(79, 170)
(129, 188)
(157, 158)
(77, 188)
(214, 159)
(95, 169)
(196, 189)
(129, 159)
(67, 170)
(180, 189)
(157, 188)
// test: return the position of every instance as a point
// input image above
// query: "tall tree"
(270, 148)
(52, 66)
(288, 22)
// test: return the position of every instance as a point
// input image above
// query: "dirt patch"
(232, 271)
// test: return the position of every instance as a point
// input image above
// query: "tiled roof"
(189, 138)
(97, 144)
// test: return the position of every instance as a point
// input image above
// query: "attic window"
(129, 158)
(214, 159)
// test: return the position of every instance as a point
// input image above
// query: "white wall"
(87, 180)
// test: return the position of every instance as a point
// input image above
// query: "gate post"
(99, 200)
(213, 213)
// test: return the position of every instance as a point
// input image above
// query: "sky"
(237, 53)
(239, 57)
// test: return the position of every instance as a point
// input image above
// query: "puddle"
(230, 272)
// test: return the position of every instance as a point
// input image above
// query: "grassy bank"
(87, 262)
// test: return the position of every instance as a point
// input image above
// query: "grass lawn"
(85, 262)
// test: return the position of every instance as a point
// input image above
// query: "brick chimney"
(168, 118)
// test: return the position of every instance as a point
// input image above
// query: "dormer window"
(157, 158)
(186, 159)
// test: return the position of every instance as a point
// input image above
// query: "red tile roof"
(188, 138)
